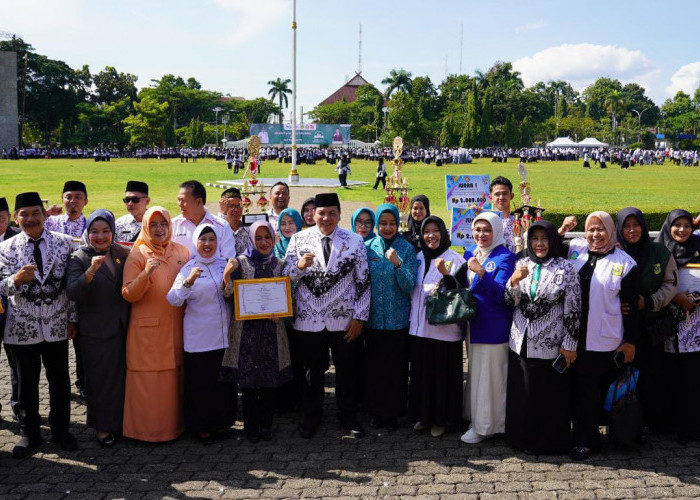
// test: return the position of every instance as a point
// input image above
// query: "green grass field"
(561, 187)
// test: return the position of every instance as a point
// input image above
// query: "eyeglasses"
(132, 199)
(363, 224)
(156, 225)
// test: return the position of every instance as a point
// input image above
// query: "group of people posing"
(150, 299)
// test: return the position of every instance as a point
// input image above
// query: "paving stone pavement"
(400, 464)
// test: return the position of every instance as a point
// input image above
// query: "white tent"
(562, 142)
(591, 142)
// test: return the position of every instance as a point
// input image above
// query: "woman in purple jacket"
(489, 266)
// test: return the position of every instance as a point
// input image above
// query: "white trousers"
(485, 391)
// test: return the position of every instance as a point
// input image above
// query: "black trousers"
(28, 360)
(258, 408)
(342, 178)
(346, 358)
(593, 373)
(380, 179)
(79, 370)
(14, 384)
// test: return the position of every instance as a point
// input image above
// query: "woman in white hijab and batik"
(489, 267)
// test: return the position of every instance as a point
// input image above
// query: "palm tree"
(398, 80)
(614, 104)
(279, 89)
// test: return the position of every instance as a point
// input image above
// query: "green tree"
(398, 80)
(111, 85)
(278, 90)
(149, 125)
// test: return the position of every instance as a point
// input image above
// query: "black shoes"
(308, 428)
(580, 453)
(106, 441)
(350, 424)
(26, 446)
(376, 422)
(66, 442)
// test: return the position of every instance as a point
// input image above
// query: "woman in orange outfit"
(153, 409)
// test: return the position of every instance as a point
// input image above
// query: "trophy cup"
(522, 215)
(397, 188)
(254, 186)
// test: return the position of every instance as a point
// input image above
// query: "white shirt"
(207, 315)
(183, 232)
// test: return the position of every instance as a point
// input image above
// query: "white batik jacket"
(329, 296)
(551, 320)
(38, 310)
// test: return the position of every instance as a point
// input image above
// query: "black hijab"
(413, 235)
(686, 252)
(555, 243)
(445, 241)
(638, 251)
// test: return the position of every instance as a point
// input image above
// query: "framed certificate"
(260, 298)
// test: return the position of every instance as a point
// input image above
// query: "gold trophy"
(397, 187)
(254, 186)
(522, 215)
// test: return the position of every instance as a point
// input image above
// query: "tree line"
(75, 107)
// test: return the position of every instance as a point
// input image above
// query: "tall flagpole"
(293, 174)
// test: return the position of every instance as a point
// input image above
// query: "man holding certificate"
(329, 266)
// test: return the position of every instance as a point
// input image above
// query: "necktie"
(326, 249)
(535, 281)
(38, 259)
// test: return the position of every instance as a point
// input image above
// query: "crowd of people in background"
(236, 157)
(147, 300)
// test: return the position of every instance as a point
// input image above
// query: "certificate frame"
(240, 285)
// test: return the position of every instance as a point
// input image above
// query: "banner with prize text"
(308, 134)
(461, 227)
(464, 191)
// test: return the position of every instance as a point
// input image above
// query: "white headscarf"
(496, 223)
(197, 257)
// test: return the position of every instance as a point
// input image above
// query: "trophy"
(524, 214)
(397, 187)
(254, 186)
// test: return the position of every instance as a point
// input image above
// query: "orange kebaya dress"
(153, 408)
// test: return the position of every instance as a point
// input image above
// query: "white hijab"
(496, 223)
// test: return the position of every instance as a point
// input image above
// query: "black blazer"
(102, 311)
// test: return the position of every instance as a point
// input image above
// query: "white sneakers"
(472, 437)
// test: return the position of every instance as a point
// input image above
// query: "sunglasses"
(132, 199)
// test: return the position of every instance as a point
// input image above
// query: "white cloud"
(254, 17)
(581, 64)
(531, 26)
(687, 79)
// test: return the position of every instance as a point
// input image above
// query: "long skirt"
(688, 395)
(653, 388)
(104, 362)
(153, 405)
(538, 406)
(435, 389)
(210, 405)
(485, 393)
(386, 372)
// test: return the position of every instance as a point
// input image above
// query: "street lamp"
(216, 122)
(224, 120)
(639, 119)
(293, 174)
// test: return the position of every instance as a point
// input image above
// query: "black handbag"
(662, 328)
(446, 307)
(626, 419)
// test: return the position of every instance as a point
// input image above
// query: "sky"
(237, 46)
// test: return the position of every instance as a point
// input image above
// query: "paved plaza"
(400, 464)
